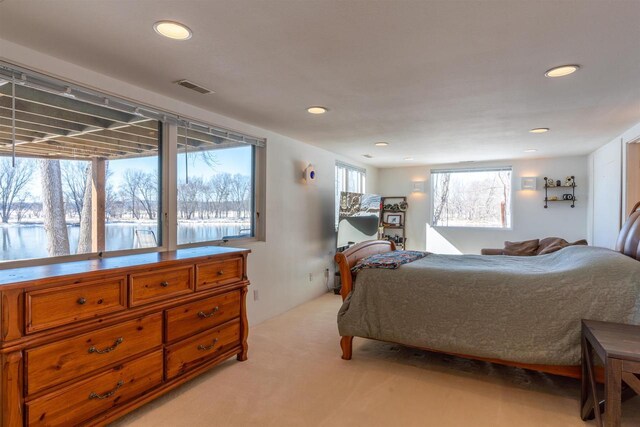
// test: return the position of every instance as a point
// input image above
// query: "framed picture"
(394, 219)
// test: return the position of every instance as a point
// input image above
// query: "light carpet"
(295, 377)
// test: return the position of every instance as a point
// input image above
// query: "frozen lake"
(30, 241)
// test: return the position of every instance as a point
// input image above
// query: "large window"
(350, 179)
(471, 198)
(84, 177)
(83, 174)
(215, 191)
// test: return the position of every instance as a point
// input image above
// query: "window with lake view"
(82, 174)
(215, 192)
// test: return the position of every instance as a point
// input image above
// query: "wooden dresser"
(82, 343)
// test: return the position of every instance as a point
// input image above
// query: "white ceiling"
(442, 81)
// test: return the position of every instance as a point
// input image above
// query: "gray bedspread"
(521, 309)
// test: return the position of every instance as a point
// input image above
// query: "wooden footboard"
(348, 259)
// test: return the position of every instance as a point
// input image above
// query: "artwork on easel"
(356, 204)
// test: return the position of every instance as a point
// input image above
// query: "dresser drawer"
(48, 308)
(200, 315)
(216, 273)
(160, 284)
(88, 398)
(64, 360)
(191, 352)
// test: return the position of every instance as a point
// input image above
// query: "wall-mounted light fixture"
(310, 174)
(417, 187)
(529, 183)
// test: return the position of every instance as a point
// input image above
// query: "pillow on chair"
(526, 248)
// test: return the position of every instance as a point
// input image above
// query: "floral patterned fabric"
(391, 260)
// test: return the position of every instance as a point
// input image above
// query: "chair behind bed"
(629, 238)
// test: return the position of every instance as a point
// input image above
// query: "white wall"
(530, 219)
(300, 236)
(607, 189)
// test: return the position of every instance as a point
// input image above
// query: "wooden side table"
(618, 347)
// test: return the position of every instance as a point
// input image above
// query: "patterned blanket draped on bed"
(521, 309)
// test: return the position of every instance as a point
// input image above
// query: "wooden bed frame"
(628, 243)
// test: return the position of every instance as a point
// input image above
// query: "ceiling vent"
(193, 86)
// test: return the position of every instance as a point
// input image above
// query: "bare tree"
(55, 224)
(84, 240)
(130, 188)
(239, 188)
(74, 182)
(220, 186)
(148, 190)
(188, 196)
(13, 184)
(22, 206)
(441, 196)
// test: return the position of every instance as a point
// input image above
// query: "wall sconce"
(310, 174)
(418, 187)
(529, 183)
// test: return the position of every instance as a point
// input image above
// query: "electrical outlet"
(311, 277)
(255, 295)
(326, 273)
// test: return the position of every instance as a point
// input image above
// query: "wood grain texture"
(64, 360)
(11, 410)
(34, 276)
(75, 404)
(189, 319)
(348, 259)
(216, 273)
(48, 308)
(158, 285)
(244, 326)
(191, 352)
(50, 368)
(11, 314)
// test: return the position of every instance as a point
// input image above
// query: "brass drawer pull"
(81, 300)
(220, 273)
(94, 395)
(164, 284)
(204, 315)
(208, 347)
(93, 349)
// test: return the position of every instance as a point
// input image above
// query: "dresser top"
(16, 276)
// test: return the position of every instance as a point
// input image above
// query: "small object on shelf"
(393, 220)
(570, 182)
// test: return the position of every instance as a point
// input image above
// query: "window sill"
(462, 227)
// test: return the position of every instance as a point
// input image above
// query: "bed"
(518, 311)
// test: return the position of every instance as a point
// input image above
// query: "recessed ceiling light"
(173, 30)
(530, 150)
(539, 130)
(408, 158)
(561, 71)
(381, 144)
(317, 110)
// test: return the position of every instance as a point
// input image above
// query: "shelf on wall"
(548, 187)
